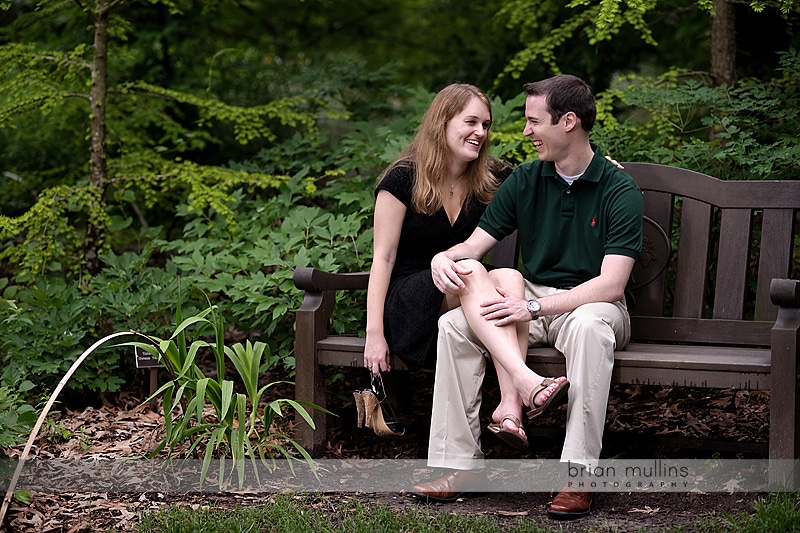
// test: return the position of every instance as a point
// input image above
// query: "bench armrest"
(311, 325)
(315, 280)
(784, 422)
(785, 292)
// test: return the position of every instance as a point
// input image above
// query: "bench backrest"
(710, 249)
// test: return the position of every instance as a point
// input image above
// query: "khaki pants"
(586, 336)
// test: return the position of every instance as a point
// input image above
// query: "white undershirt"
(569, 179)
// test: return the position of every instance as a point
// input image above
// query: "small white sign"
(145, 360)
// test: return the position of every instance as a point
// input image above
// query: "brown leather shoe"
(570, 504)
(448, 487)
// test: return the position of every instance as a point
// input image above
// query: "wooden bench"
(714, 305)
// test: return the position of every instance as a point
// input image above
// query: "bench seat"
(672, 365)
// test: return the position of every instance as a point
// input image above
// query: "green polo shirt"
(565, 231)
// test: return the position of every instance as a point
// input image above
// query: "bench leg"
(311, 323)
(784, 423)
(310, 387)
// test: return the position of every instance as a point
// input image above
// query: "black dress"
(413, 302)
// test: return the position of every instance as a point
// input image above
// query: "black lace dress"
(413, 302)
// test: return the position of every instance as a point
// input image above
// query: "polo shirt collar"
(593, 172)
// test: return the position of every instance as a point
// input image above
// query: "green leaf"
(23, 496)
(227, 398)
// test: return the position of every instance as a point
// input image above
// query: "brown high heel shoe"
(370, 406)
(361, 413)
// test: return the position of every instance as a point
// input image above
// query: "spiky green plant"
(205, 410)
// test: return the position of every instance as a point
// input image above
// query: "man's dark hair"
(566, 93)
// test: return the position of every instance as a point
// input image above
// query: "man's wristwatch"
(535, 308)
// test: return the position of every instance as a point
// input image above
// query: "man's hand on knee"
(507, 309)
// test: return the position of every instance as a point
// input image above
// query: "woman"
(428, 200)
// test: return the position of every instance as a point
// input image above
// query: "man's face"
(549, 139)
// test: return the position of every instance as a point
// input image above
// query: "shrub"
(750, 131)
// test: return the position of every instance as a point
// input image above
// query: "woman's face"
(467, 131)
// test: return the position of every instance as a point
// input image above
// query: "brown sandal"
(557, 394)
(509, 436)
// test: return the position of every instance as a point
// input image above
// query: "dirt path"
(642, 422)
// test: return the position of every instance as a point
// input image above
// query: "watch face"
(534, 307)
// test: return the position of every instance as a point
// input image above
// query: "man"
(579, 220)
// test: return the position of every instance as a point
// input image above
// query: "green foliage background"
(244, 139)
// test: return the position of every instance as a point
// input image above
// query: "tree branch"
(67, 61)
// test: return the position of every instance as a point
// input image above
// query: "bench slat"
(504, 253)
(690, 287)
(749, 194)
(702, 331)
(650, 298)
(776, 238)
(734, 252)
(706, 367)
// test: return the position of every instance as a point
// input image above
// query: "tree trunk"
(97, 134)
(723, 43)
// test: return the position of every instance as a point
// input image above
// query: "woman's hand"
(376, 354)
(615, 163)
(447, 274)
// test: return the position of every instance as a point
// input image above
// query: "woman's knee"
(478, 273)
(507, 277)
(472, 264)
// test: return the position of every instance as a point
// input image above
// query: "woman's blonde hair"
(429, 156)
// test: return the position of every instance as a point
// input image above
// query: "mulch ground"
(642, 422)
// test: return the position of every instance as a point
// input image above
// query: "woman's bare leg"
(504, 343)
(511, 403)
